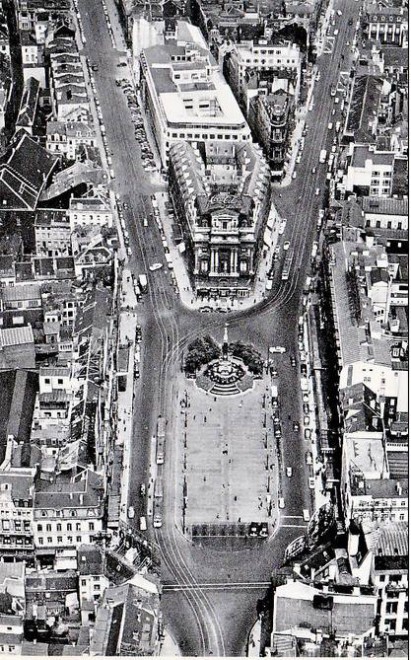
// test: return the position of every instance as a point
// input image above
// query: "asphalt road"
(205, 621)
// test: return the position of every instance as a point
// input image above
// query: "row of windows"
(68, 539)
(69, 527)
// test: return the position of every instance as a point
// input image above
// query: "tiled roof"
(391, 538)
(385, 205)
(21, 292)
(16, 336)
(24, 175)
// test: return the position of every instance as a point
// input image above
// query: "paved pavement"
(211, 621)
(228, 453)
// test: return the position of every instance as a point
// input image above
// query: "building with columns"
(221, 195)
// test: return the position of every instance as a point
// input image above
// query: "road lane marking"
(294, 526)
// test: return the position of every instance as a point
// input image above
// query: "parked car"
(289, 472)
(307, 434)
(131, 513)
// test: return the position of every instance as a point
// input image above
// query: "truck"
(142, 282)
(323, 156)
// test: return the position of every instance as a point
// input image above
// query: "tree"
(201, 351)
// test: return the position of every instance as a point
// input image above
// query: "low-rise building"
(92, 579)
(315, 614)
(221, 194)
(127, 620)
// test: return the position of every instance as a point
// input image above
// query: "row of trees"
(203, 350)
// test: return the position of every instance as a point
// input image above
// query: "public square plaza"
(229, 456)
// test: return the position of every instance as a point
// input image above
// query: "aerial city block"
(204, 328)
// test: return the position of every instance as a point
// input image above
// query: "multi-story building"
(4, 34)
(186, 97)
(270, 119)
(378, 554)
(52, 232)
(31, 13)
(385, 213)
(22, 297)
(65, 138)
(33, 58)
(370, 172)
(274, 60)
(16, 509)
(89, 210)
(221, 194)
(92, 579)
(388, 25)
(68, 511)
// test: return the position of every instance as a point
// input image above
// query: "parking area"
(147, 156)
(229, 459)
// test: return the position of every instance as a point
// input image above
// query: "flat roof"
(385, 205)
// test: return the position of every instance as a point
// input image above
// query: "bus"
(287, 265)
(158, 487)
(160, 439)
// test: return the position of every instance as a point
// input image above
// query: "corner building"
(221, 195)
(185, 97)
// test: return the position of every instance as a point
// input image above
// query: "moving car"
(296, 426)
(281, 503)
(286, 246)
(317, 191)
(143, 524)
(289, 472)
(306, 515)
(130, 512)
(155, 266)
(277, 349)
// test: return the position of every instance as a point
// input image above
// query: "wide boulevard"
(204, 617)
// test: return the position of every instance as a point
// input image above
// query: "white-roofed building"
(187, 98)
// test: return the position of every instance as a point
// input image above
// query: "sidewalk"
(182, 279)
(301, 115)
(169, 646)
(254, 640)
(127, 334)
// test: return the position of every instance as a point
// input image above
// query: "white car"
(330, 125)
(339, 12)
(289, 472)
(155, 266)
(281, 503)
(286, 246)
(277, 349)
(131, 513)
(317, 191)
(335, 33)
(281, 228)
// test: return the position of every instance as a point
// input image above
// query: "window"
(39, 528)
(40, 541)
(59, 539)
(48, 528)
(83, 583)
(58, 527)
(69, 526)
(91, 527)
(78, 539)
(49, 539)
(78, 527)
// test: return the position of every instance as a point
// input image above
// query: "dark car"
(138, 333)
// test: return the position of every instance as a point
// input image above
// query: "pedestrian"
(205, 478)
(205, 419)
